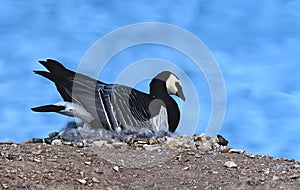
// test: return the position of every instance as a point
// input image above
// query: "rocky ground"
(197, 162)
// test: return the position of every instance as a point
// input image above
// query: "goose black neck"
(158, 89)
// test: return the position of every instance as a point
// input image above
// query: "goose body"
(112, 106)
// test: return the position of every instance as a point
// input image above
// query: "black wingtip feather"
(48, 108)
(52, 65)
(45, 74)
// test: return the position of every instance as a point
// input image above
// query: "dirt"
(43, 166)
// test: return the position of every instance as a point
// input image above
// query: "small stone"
(198, 137)
(230, 164)
(203, 146)
(193, 146)
(153, 141)
(95, 180)
(51, 160)
(185, 168)
(128, 140)
(82, 181)
(168, 139)
(116, 168)
(151, 147)
(142, 142)
(4, 185)
(250, 155)
(118, 145)
(275, 177)
(80, 144)
(88, 163)
(67, 143)
(239, 151)
(170, 145)
(56, 142)
(37, 160)
(224, 149)
(297, 166)
(191, 153)
(179, 157)
(98, 170)
(99, 143)
(266, 171)
(295, 176)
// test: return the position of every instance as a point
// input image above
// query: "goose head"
(170, 82)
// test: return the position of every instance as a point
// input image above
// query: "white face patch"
(171, 84)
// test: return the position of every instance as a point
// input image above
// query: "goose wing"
(117, 105)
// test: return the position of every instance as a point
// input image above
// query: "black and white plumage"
(112, 106)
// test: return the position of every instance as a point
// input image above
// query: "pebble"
(230, 164)
(119, 145)
(116, 168)
(295, 176)
(82, 181)
(141, 142)
(67, 143)
(225, 149)
(80, 144)
(51, 160)
(153, 141)
(4, 185)
(56, 142)
(278, 167)
(151, 147)
(239, 151)
(250, 155)
(266, 171)
(37, 160)
(171, 145)
(185, 168)
(95, 180)
(88, 163)
(99, 143)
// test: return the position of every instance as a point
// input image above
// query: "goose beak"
(180, 94)
(48, 108)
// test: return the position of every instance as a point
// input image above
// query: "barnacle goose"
(112, 106)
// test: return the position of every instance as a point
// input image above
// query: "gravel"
(197, 162)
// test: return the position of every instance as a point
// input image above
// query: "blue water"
(255, 43)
